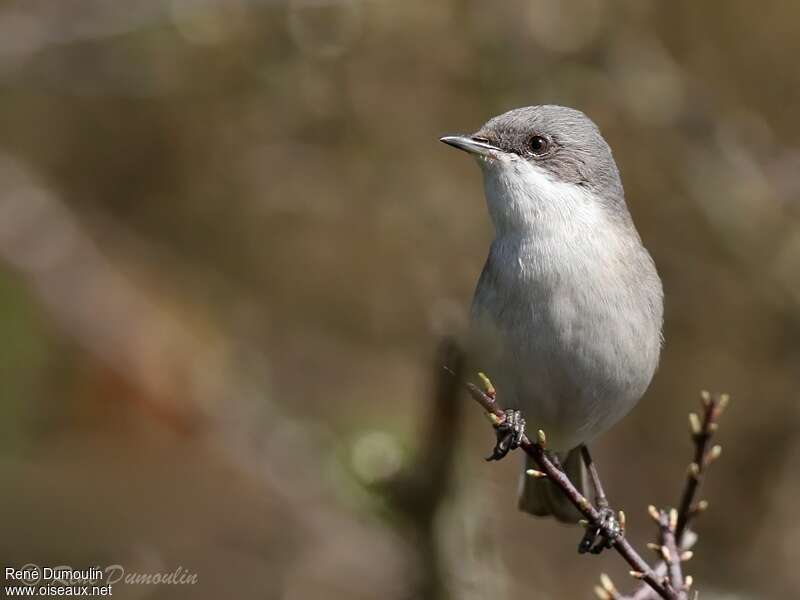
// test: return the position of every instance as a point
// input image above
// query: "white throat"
(524, 200)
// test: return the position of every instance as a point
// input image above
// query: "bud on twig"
(654, 514)
(694, 423)
(713, 454)
(607, 584)
(602, 594)
(673, 543)
(493, 419)
(487, 386)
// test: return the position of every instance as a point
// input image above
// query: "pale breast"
(570, 327)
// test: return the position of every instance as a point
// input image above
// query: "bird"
(567, 313)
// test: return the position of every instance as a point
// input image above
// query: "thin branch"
(666, 579)
(536, 450)
(667, 524)
(703, 429)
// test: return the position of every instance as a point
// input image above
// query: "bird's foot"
(509, 434)
(602, 535)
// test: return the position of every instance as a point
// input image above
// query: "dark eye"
(539, 145)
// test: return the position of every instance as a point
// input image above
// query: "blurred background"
(230, 242)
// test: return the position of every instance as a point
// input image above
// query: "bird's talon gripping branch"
(601, 535)
(604, 528)
(509, 434)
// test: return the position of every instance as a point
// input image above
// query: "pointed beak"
(471, 145)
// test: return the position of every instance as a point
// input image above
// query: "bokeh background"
(230, 242)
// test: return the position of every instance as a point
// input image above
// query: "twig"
(666, 579)
(703, 429)
(536, 450)
(667, 524)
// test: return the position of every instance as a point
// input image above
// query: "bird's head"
(542, 160)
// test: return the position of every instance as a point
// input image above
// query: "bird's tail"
(542, 498)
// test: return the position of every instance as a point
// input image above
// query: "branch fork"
(664, 580)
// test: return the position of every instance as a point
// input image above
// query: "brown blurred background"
(230, 242)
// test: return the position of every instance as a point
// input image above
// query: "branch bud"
(487, 385)
(665, 553)
(694, 470)
(536, 474)
(622, 520)
(687, 555)
(713, 454)
(687, 583)
(673, 519)
(694, 423)
(607, 584)
(654, 514)
(493, 419)
(705, 396)
(637, 574)
(602, 594)
(722, 403)
(542, 438)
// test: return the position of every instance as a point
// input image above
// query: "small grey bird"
(567, 313)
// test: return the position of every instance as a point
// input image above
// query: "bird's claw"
(509, 434)
(602, 535)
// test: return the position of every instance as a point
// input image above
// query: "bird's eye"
(538, 145)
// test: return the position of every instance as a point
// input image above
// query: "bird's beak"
(471, 145)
